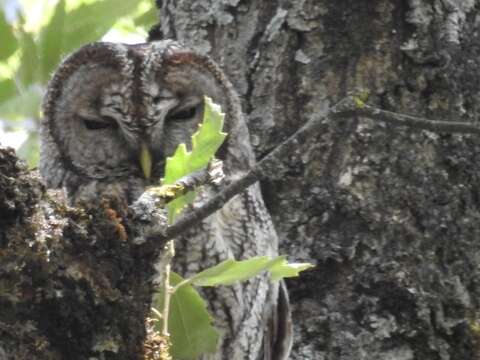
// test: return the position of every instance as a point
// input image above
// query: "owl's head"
(106, 102)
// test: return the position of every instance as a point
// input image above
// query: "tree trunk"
(388, 214)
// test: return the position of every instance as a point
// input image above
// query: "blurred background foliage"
(35, 35)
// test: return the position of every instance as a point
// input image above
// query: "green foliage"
(187, 319)
(190, 324)
(51, 41)
(24, 105)
(29, 150)
(283, 269)
(9, 41)
(89, 22)
(28, 71)
(32, 46)
(231, 271)
(7, 90)
(147, 19)
(205, 143)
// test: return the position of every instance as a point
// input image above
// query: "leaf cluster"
(205, 143)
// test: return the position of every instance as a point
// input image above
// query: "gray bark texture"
(390, 215)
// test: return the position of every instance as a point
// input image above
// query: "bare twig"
(167, 288)
(415, 122)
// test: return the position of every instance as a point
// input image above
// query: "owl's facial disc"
(106, 116)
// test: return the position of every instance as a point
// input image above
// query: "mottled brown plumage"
(108, 101)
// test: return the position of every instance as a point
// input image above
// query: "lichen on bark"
(73, 285)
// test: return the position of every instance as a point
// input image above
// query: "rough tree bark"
(390, 215)
(73, 285)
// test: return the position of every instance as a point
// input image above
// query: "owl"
(105, 104)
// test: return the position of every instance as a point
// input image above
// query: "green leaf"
(7, 90)
(28, 70)
(231, 271)
(205, 143)
(209, 137)
(9, 42)
(147, 19)
(89, 22)
(190, 324)
(284, 269)
(24, 105)
(51, 39)
(30, 150)
(177, 165)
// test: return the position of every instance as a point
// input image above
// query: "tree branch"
(416, 122)
(163, 194)
(349, 106)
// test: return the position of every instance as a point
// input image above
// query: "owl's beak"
(146, 161)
